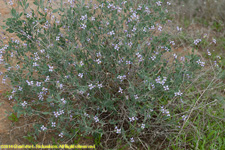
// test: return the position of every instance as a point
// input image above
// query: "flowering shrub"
(96, 69)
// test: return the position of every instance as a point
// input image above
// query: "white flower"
(178, 93)
(53, 124)
(61, 86)
(179, 29)
(85, 114)
(130, 44)
(152, 27)
(61, 135)
(175, 56)
(96, 119)
(38, 83)
(165, 111)
(56, 114)
(50, 68)
(209, 53)
(214, 41)
(83, 26)
(81, 63)
(184, 117)
(134, 29)
(142, 126)
(29, 83)
(42, 50)
(20, 88)
(98, 61)
(153, 58)
(24, 104)
(98, 54)
(135, 96)
(144, 29)
(43, 128)
(83, 17)
(80, 75)
(61, 112)
(201, 63)
(160, 28)
(10, 3)
(159, 3)
(128, 62)
(117, 130)
(70, 1)
(118, 9)
(111, 33)
(172, 42)
(120, 90)
(166, 88)
(131, 140)
(197, 41)
(28, 15)
(47, 79)
(93, 18)
(182, 58)
(133, 119)
(218, 57)
(91, 86)
(116, 47)
(121, 77)
(63, 101)
(135, 16)
(162, 82)
(99, 86)
(57, 38)
(81, 92)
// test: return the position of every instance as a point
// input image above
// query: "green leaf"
(35, 3)
(50, 100)
(13, 117)
(13, 12)
(45, 113)
(41, 14)
(55, 10)
(27, 5)
(10, 30)
(21, 14)
(3, 27)
(19, 114)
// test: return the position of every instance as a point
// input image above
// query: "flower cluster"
(58, 113)
(165, 111)
(139, 57)
(161, 81)
(118, 131)
(133, 119)
(121, 77)
(201, 63)
(178, 93)
(197, 41)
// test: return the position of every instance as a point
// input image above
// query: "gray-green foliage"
(96, 69)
